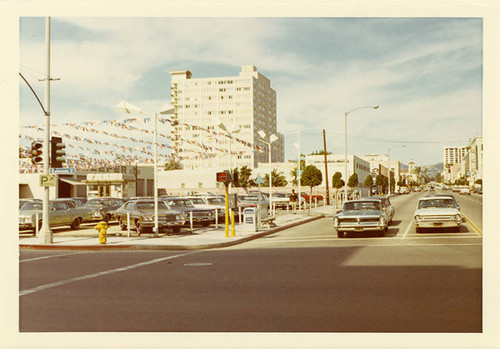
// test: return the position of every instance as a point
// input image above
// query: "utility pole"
(326, 170)
(45, 234)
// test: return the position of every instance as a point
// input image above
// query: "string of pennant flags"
(90, 158)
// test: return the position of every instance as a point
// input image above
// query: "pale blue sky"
(425, 73)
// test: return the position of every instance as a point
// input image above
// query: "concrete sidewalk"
(203, 238)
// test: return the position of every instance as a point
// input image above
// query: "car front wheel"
(76, 224)
(176, 230)
(123, 226)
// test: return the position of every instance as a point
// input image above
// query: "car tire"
(122, 225)
(418, 230)
(205, 224)
(340, 234)
(107, 218)
(138, 227)
(75, 225)
(176, 230)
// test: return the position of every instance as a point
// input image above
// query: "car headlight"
(417, 217)
(458, 217)
(180, 217)
(184, 216)
(382, 220)
(148, 218)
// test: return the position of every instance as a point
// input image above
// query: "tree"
(439, 178)
(278, 179)
(381, 181)
(244, 174)
(311, 177)
(353, 181)
(293, 173)
(368, 181)
(337, 181)
(173, 165)
(320, 152)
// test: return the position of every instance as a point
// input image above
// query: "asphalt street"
(302, 279)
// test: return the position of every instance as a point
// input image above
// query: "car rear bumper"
(437, 224)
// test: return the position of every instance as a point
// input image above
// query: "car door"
(59, 213)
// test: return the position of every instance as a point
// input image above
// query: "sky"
(425, 74)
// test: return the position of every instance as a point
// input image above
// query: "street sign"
(259, 180)
(62, 170)
(47, 180)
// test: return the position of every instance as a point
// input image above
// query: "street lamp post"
(389, 168)
(127, 108)
(297, 145)
(345, 146)
(272, 138)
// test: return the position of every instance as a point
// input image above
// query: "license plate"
(438, 224)
(358, 229)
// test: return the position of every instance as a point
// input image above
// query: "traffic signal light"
(57, 152)
(36, 152)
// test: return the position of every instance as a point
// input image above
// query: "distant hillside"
(433, 169)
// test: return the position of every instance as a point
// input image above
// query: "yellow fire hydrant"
(102, 227)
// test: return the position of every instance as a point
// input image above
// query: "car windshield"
(150, 205)
(31, 206)
(280, 195)
(99, 202)
(180, 204)
(197, 201)
(216, 201)
(436, 203)
(250, 198)
(361, 205)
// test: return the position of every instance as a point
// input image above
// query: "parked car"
(201, 216)
(280, 200)
(23, 201)
(142, 216)
(465, 190)
(84, 212)
(252, 200)
(437, 212)
(313, 197)
(103, 208)
(59, 215)
(404, 190)
(361, 216)
(210, 203)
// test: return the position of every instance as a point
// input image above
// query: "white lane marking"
(52, 256)
(407, 230)
(102, 273)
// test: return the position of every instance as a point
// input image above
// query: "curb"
(130, 247)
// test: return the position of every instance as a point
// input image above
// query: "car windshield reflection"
(362, 205)
(436, 203)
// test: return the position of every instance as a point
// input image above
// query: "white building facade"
(336, 163)
(245, 102)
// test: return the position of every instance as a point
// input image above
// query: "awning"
(72, 182)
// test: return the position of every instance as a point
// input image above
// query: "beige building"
(245, 103)
(381, 164)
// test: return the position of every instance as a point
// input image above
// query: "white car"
(465, 191)
(437, 212)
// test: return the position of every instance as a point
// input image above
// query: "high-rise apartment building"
(245, 103)
(453, 155)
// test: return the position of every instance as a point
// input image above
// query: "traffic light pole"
(45, 234)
